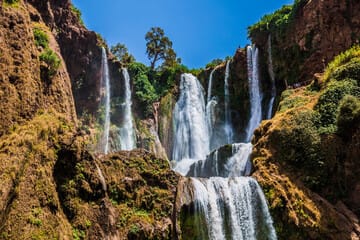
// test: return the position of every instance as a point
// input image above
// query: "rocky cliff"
(308, 161)
(310, 33)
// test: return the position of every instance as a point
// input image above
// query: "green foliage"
(78, 234)
(11, 2)
(77, 13)
(41, 38)
(329, 100)
(300, 145)
(121, 52)
(52, 62)
(351, 55)
(214, 63)
(144, 90)
(348, 115)
(272, 22)
(159, 47)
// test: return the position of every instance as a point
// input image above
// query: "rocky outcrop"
(24, 91)
(306, 163)
(127, 195)
(238, 90)
(310, 34)
(81, 50)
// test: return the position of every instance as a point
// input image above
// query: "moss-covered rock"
(304, 170)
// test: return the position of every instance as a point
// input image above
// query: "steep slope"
(310, 33)
(307, 157)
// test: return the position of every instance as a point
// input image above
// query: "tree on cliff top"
(159, 47)
(121, 52)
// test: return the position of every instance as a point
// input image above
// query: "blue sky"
(201, 30)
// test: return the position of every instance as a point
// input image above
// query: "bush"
(11, 2)
(348, 116)
(341, 59)
(329, 100)
(144, 90)
(298, 143)
(52, 62)
(41, 38)
(214, 63)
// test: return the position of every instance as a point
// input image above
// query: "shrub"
(342, 59)
(52, 62)
(144, 90)
(41, 38)
(11, 2)
(214, 63)
(329, 100)
(348, 115)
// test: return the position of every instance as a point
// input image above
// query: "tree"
(159, 47)
(121, 52)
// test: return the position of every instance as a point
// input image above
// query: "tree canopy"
(121, 52)
(159, 47)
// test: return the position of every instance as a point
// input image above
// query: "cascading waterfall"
(191, 137)
(227, 126)
(233, 206)
(254, 90)
(105, 80)
(126, 131)
(210, 107)
(272, 78)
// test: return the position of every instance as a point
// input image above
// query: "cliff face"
(81, 50)
(306, 157)
(310, 35)
(24, 91)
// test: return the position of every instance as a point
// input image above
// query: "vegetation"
(277, 21)
(11, 2)
(77, 13)
(159, 47)
(41, 38)
(348, 117)
(351, 56)
(214, 63)
(52, 61)
(121, 52)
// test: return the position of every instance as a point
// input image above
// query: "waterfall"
(191, 137)
(254, 90)
(272, 78)
(227, 125)
(101, 178)
(210, 85)
(105, 80)
(234, 208)
(126, 131)
(226, 205)
(210, 107)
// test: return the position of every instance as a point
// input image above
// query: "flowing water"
(126, 132)
(191, 137)
(105, 82)
(272, 78)
(254, 90)
(227, 125)
(232, 206)
(210, 107)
